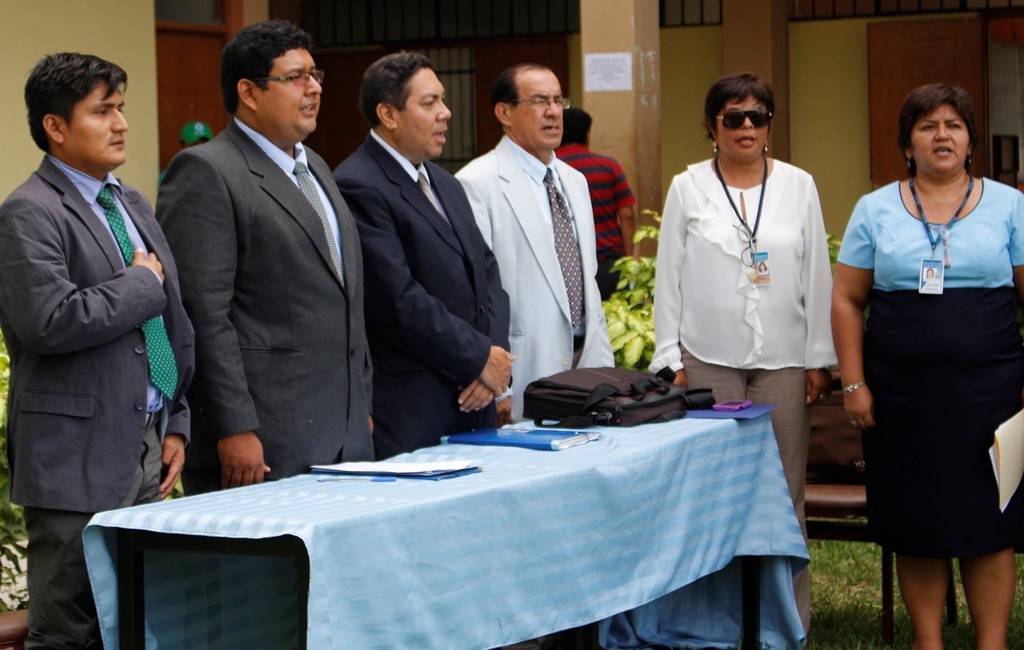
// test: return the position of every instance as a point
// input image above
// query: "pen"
(358, 479)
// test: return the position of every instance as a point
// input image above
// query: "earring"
(968, 160)
(714, 147)
(910, 163)
(766, 146)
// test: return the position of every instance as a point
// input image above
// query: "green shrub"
(12, 524)
(630, 310)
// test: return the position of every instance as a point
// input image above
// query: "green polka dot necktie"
(163, 371)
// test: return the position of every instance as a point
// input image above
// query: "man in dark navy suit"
(436, 315)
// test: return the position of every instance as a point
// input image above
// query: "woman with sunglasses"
(939, 365)
(720, 323)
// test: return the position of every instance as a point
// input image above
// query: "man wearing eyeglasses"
(271, 274)
(535, 213)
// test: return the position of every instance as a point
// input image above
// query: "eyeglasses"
(736, 119)
(299, 78)
(543, 102)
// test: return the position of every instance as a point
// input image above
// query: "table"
(648, 519)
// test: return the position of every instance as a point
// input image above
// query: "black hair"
(504, 89)
(59, 81)
(576, 124)
(737, 86)
(251, 53)
(922, 101)
(386, 81)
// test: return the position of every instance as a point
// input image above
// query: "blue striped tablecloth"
(538, 542)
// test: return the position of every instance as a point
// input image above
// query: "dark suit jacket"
(280, 344)
(434, 302)
(70, 313)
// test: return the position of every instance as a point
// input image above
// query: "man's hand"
(173, 458)
(504, 408)
(496, 373)
(151, 263)
(475, 397)
(241, 460)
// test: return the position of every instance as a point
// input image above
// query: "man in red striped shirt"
(614, 203)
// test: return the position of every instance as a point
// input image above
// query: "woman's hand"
(860, 407)
(818, 385)
(680, 379)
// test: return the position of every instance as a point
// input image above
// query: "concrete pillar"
(755, 38)
(627, 124)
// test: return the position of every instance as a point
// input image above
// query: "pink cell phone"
(732, 405)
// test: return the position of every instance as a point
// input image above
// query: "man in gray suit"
(101, 349)
(271, 275)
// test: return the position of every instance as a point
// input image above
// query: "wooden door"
(493, 56)
(188, 82)
(340, 126)
(907, 54)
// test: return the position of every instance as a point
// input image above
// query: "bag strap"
(600, 392)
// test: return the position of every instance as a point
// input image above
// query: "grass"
(846, 603)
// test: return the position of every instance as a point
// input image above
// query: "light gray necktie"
(425, 186)
(309, 190)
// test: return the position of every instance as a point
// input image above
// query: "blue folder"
(544, 439)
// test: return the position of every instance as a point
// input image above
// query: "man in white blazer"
(514, 191)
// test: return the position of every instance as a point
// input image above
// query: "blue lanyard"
(760, 202)
(927, 227)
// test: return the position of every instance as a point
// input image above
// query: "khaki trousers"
(791, 421)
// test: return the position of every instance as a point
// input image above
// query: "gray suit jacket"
(280, 344)
(70, 313)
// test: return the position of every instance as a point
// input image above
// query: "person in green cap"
(192, 133)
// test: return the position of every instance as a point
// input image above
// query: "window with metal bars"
(824, 9)
(360, 22)
(690, 13)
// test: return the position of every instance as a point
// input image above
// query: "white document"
(607, 71)
(396, 469)
(1008, 457)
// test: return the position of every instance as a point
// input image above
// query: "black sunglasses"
(735, 119)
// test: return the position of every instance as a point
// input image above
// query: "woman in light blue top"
(938, 366)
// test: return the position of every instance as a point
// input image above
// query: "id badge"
(763, 269)
(931, 276)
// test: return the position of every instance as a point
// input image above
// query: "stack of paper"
(1008, 457)
(544, 439)
(433, 470)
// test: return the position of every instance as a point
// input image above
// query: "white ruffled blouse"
(704, 298)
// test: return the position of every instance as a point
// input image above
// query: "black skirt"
(944, 371)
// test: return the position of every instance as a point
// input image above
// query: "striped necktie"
(309, 190)
(568, 250)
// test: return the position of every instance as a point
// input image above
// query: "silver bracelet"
(852, 387)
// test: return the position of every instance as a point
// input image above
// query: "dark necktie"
(309, 190)
(567, 248)
(163, 371)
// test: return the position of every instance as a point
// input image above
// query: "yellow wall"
(121, 31)
(830, 137)
(691, 60)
